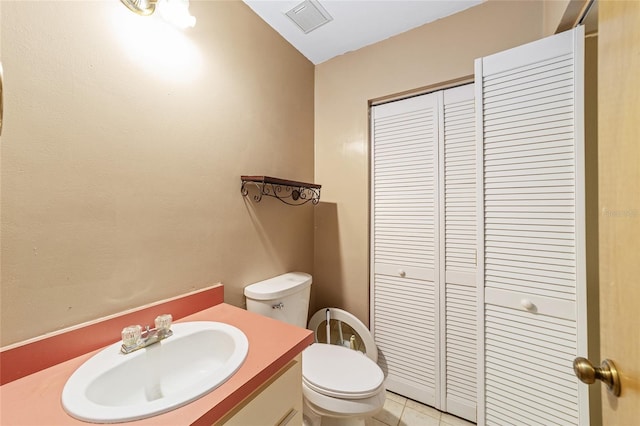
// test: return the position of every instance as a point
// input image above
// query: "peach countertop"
(35, 399)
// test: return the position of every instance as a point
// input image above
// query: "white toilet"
(341, 386)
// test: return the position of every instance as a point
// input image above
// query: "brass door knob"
(607, 372)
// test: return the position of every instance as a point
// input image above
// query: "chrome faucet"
(133, 338)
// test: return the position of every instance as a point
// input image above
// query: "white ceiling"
(355, 24)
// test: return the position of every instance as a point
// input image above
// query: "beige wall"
(426, 56)
(121, 155)
(553, 13)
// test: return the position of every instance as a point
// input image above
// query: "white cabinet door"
(277, 402)
(532, 244)
(405, 283)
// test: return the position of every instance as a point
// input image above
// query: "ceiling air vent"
(309, 15)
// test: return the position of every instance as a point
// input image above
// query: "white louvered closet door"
(533, 242)
(458, 244)
(404, 239)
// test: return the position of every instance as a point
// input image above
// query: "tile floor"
(401, 411)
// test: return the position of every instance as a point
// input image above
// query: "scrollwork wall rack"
(290, 192)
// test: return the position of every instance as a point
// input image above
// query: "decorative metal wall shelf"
(289, 192)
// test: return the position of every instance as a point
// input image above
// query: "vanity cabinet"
(277, 402)
(265, 390)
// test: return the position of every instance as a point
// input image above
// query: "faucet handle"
(131, 335)
(163, 322)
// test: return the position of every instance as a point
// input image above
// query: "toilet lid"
(347, 318)
(340, 372)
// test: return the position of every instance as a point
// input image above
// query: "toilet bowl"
(341, 382)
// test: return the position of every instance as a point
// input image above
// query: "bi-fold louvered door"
(423, 243)
(458, 244)
(532, 232)
(405, 290)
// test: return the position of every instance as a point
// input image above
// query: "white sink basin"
(112, 387)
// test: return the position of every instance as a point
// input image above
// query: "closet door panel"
(404, 241)
(405, 332)
(403, 271)
(541, 305)
(542, 392)
(458, 264)
(530, 122)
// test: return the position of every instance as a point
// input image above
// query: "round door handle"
(607, 372)
(402, 273)
(527, 304)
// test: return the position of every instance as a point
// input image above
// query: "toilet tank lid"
(277, 287)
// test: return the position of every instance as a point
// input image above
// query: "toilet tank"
(285, 297)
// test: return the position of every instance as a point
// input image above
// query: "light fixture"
(175, 12)
(141, 7)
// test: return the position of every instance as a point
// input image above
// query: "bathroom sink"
(113, 387)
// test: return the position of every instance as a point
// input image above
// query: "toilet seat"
(336, 407)
(340, 372)
(349, 319)
(339, 382)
